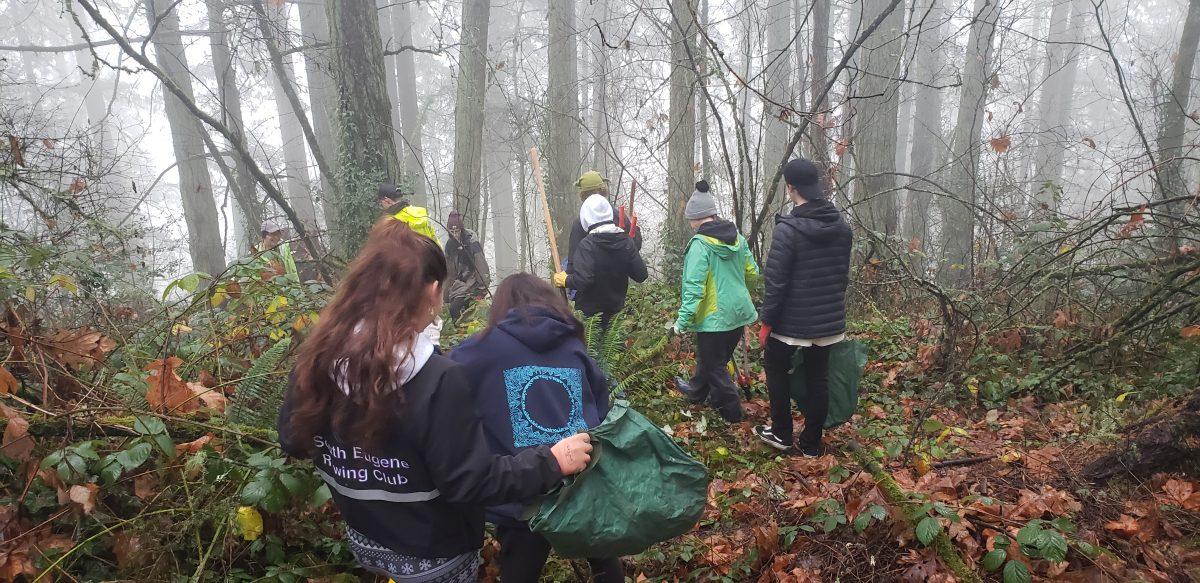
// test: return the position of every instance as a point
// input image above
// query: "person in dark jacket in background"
(537, 384)
(607, 258)
(589, 184)
(714, 303)
(390, 425)
(804, 305)
(469, 273)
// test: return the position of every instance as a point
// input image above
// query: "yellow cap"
(590, 180)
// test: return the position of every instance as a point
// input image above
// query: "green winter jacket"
(715, 269)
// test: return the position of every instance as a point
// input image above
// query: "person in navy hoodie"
(389, 426)
(537, 385)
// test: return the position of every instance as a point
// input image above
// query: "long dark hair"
(522, 291)
(365, 331)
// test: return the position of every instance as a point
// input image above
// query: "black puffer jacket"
(807, 271)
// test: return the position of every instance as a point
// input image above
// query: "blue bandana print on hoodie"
(535, 383)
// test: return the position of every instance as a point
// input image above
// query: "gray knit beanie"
(702, 204)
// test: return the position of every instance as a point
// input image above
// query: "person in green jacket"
(716, 303)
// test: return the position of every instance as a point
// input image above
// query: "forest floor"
(960, 473)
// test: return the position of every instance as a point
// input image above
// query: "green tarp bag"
(846, 361)
(639, 489)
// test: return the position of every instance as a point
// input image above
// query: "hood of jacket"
(609, 237)
(720, 236)
(409, 362)
(537, 328)
(818, 220)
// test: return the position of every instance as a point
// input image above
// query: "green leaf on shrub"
(994, 559)
(928, 529)
(1016, 572)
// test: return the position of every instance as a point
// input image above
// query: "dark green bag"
(846, 361)
(639, 489)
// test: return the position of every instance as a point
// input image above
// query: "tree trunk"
(322, 97)
(229, 97)
(927, 142)
(958, 207)
(777, 77)
(366, 152)
(563, 141)
(681, 145)
(406, 81)
(1067, 20)
(1173, 115)
(602, 159)
(708, 170)
(876, 117)
(295, 157)
(195, 185)
(468, 109)
(820, 70)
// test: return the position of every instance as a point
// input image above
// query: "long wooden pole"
(541, 184)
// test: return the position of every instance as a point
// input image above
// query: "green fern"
(632, 367)
(260, 394)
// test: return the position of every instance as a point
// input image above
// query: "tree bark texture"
(322, 97)
(1173, 116)
(406, 92)
(927, 141)
(958, 208)
(777, 77)
(877, 112)
(1067, 19)
(295, 157)
(366, 152)
(229, 96)
(681, 145)
(195, 185)
(563, 143)
(468, 110)
(817, 81)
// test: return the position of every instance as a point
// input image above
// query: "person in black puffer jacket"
(804, 304)
(607, 258)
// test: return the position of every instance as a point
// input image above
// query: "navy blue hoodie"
(535, 382)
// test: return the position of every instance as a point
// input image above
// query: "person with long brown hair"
(390, 426)
(537, 384)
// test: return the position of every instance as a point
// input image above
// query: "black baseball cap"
(805, 177)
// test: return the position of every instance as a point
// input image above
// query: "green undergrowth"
(155, 498)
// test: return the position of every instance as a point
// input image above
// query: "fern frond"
(260, 394)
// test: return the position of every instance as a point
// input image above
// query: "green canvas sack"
(846, 361)
(639, 489)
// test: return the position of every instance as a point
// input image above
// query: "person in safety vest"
(396, 205)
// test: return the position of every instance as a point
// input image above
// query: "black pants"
(815, 369)
(711, 380)
(523, 554)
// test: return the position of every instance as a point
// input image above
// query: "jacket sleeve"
(637, 265)
(752, 272)
(577, 235)
(583, 272)
(695, 271)
(460, 462)
(482, 271)
(286, 443)
(598, 382)
(777, 275)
